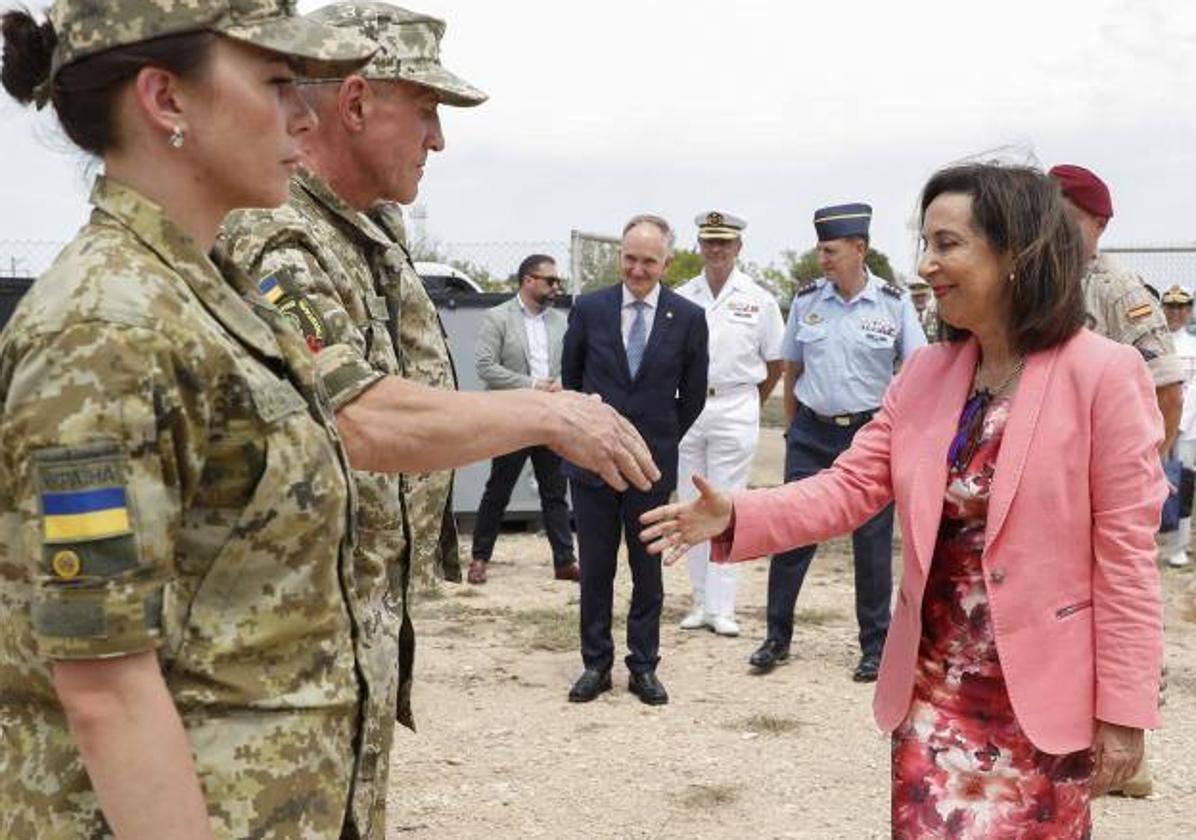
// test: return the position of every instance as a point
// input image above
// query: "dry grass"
(820, 615)
(468, 592)
(763, 723)
(432, 590)
(1187, 609)
(772, 413)
(548, 628)
(672, 614)
(707, 797)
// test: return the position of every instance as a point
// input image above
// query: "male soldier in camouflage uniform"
(1122, 309)
(324, 263)
(928, 313)
(425, 358)
(340, 277)
(1117, 300)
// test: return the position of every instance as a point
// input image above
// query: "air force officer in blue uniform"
(846, 335)
(643, 349)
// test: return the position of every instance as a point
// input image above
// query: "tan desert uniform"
(337, 278)
(169, 482)
(425, 358)
(1123, 310)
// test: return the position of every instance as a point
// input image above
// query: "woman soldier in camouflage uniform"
(175, 659)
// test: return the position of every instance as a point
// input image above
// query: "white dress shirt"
(651, 299)
(537, 341)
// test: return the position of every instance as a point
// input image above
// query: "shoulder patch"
(1134, 313)
(280, 289)
(805, 288)
(893, 290)
(86, 519)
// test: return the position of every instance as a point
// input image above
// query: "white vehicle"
(439, 277)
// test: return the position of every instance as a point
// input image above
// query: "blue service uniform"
(849, 351)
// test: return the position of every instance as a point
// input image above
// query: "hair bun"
(28, 51)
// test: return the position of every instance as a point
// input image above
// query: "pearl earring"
(176, 138)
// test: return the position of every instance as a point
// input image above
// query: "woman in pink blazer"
(1022, 663)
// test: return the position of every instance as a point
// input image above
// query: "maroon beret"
(1084, 189)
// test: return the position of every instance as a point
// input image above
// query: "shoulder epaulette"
(892, 289)
(805, 288)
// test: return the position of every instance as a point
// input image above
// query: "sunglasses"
(550, 279)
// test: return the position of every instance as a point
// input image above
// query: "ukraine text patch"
(82, 493)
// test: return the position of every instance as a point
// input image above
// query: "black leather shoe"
(589, 685)
(768, 655)
(647, 688)
(868, 668)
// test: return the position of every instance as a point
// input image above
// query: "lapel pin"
(669, 314)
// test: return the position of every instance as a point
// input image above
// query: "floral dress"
(962, 766)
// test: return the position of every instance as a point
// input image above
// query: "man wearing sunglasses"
(519, 346)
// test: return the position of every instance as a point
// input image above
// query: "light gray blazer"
(501, 350)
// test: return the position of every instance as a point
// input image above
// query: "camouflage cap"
(87, 27)
(410, 47)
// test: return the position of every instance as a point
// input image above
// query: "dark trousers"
(504, 472)
(603, 517)
(813, 446)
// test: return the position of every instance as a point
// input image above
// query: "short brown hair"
(1019, 210)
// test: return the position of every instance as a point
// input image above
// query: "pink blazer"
(1070, 555)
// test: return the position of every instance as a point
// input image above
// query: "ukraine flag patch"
(84, 515)
(270, 288)
(82, 492)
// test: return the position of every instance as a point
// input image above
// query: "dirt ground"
(794, 754)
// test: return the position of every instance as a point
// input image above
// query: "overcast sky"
(764, 109)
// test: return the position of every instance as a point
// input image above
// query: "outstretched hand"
(595, 437)
(674, 529)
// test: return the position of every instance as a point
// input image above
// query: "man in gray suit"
(519, 346)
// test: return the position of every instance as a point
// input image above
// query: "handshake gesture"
(674, 529)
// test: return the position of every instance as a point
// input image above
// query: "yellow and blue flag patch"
(83, 515)
(270, 288)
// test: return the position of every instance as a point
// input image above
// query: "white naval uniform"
(746, 330)
(1177, 541)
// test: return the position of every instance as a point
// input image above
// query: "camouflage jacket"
(335, 274)
(426, 359)
(168, 482)
(1123, 310)
(929, 319)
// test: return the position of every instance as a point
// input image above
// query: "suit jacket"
(1069, 559)
(501, 349)
(669, 390)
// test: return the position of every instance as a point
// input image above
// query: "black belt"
(859, 418)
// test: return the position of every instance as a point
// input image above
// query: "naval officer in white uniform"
(746, 330)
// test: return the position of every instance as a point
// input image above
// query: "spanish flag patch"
(1139, 311)
(85, 515)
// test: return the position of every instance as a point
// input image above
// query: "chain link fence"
(27, 257)
(591, 260)
(1162, 266)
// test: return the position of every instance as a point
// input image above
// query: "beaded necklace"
(971, 421)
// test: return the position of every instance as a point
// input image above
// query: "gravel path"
(794, 754)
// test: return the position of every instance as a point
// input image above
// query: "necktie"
(637, 338)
